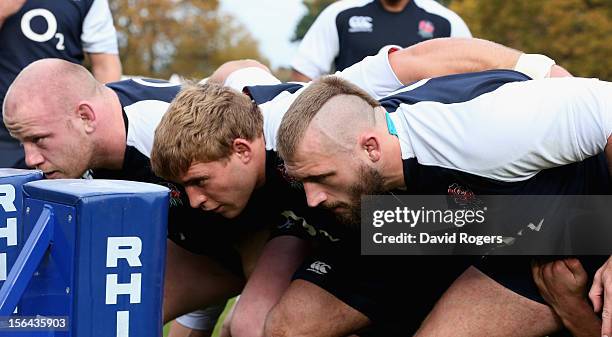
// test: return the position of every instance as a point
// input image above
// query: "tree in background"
(158, 38)
(576, 33)
(314, 8)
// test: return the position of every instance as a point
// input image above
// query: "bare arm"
(391, 68)
(562, 284)
(271, 277)
(8, 8)
(105, 67)
(601, 296)
(447, 56)
(297, 76)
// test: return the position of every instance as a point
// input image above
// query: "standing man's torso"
(363, 30)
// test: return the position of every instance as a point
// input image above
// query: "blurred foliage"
(576, 33)
(189, 37)
(314, 8)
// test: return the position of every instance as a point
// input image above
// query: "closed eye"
(319, 178)
(37, 139)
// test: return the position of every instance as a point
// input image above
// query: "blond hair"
(200, 125)
(306, 106)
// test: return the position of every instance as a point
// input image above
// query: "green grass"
(219, 322)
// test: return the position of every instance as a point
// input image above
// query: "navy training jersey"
(347, 31)
(41, 29)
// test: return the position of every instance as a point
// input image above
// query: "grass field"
(219, 322)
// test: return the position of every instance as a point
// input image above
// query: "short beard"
(370, 183)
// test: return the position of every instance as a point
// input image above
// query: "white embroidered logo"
(360, 24)
(319, 267)
(51, 31)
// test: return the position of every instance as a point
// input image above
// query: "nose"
(33, 158)
(196, 197)
(314, 195)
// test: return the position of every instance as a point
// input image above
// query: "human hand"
(562, 283)
(601, 296)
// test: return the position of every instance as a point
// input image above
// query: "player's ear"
(370, 143)
(243, 149)
(87, 115)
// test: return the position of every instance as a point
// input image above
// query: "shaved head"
(341, 120)
(56, 84)
(332, 108)
(66, 121)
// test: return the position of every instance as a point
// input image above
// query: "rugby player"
(347, 31)
(70, 124)
(74, 124)
(31, 30)
(490, 133)
(221, 147)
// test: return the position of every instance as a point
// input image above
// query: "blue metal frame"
(27, 262)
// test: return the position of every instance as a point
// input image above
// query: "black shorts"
(377, 285)
(514, 272)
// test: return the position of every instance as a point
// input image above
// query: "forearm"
(297, 76)
(8, 8)
(447, 56)
(106, 67)
(581, 320)
(3, 17)
(279, 260)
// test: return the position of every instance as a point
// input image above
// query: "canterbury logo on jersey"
(319, 267)
(359, 24)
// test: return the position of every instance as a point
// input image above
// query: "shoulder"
(435, 8)
(139, 89)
